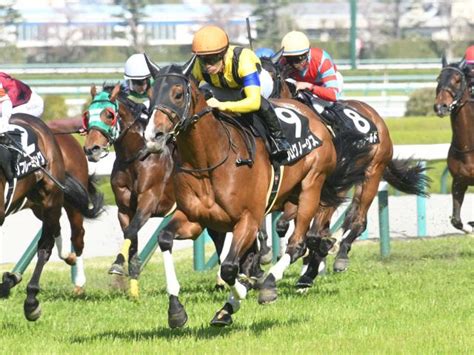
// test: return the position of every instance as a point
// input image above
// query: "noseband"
(456, 94)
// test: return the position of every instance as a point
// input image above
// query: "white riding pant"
(266, 83)
(34, 106)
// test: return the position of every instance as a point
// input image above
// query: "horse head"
(282, 88)
(452, 87)
(174, 103)
(101, 122)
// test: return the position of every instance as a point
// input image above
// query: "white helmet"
(136, 67)
(295, 43)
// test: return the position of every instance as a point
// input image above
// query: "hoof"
(117, 269)
(268, 292)
(304, 282)
(9, 280)
(177, 316)
(221, 319)
(34, 315)
(78, 291)
(341, 265)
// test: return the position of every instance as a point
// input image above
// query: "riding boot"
(278, 140)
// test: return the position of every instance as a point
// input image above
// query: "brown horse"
(142, 184)
(400, 174)
(47, 189)
(453, 96)
(213, 189)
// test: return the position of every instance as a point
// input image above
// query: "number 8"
(362, 125)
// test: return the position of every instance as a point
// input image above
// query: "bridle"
(457, 94)
(185, 118)
(114, 131)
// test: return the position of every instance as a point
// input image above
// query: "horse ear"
(462, 63)
(93, 91)
(115, 92)
(152, 67)
(444, 62)
(277, 56)
(188, 66)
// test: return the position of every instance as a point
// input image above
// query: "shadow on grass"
(198, 333)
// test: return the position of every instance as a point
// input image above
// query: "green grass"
(419, 130)
(419, 300)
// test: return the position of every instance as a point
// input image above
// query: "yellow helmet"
(295, 43)
(210, 40)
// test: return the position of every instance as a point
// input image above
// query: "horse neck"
(462, 125)
(131, 142)
(203, 144)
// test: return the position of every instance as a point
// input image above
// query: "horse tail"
(76, 195)
(96, 198)
(407, 178)
(352, 160)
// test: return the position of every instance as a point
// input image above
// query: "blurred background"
(389, 51)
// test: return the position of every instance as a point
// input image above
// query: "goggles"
(297, 59)
(211, 59)
(139, 82)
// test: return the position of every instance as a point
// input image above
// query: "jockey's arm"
(250, 103)
(325, 93)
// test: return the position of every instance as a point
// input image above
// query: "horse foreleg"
(51, 229)
(308, 205)
(178, 225)
(244, 235)
(458, 190)
(117, 268)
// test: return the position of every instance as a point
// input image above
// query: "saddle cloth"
(27, 156)
(341, 117)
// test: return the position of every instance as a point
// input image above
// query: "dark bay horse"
(454, 97)
(213, 190)
(142, 184)
(401, 174)
(47, 190)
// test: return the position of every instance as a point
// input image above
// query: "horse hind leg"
(78, 275)
(51, 229)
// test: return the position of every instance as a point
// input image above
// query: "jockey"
(311, 68)
(137, 81)
(17, 97)
(264, 52)
(231, 67)
(469, 55)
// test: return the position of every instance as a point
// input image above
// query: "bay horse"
(213, 190)
(75, 164)
(401, 174)
(46, 190)
(454, 97)
(142, 184)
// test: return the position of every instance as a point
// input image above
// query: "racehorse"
(47, 189)
(215, 189)
(141, 183)
(401, 174)
(75, 165)
(454, 96)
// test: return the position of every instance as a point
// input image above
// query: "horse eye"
(108, 114)
(179, 95)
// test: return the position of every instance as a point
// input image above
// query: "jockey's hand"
(301, 85)
(214, 103)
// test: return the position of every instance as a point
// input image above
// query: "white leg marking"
(280, 267)
(172, 284)
(303, 269)
(78, 276)
(62, 253)
(238, 290)
(234, 302)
